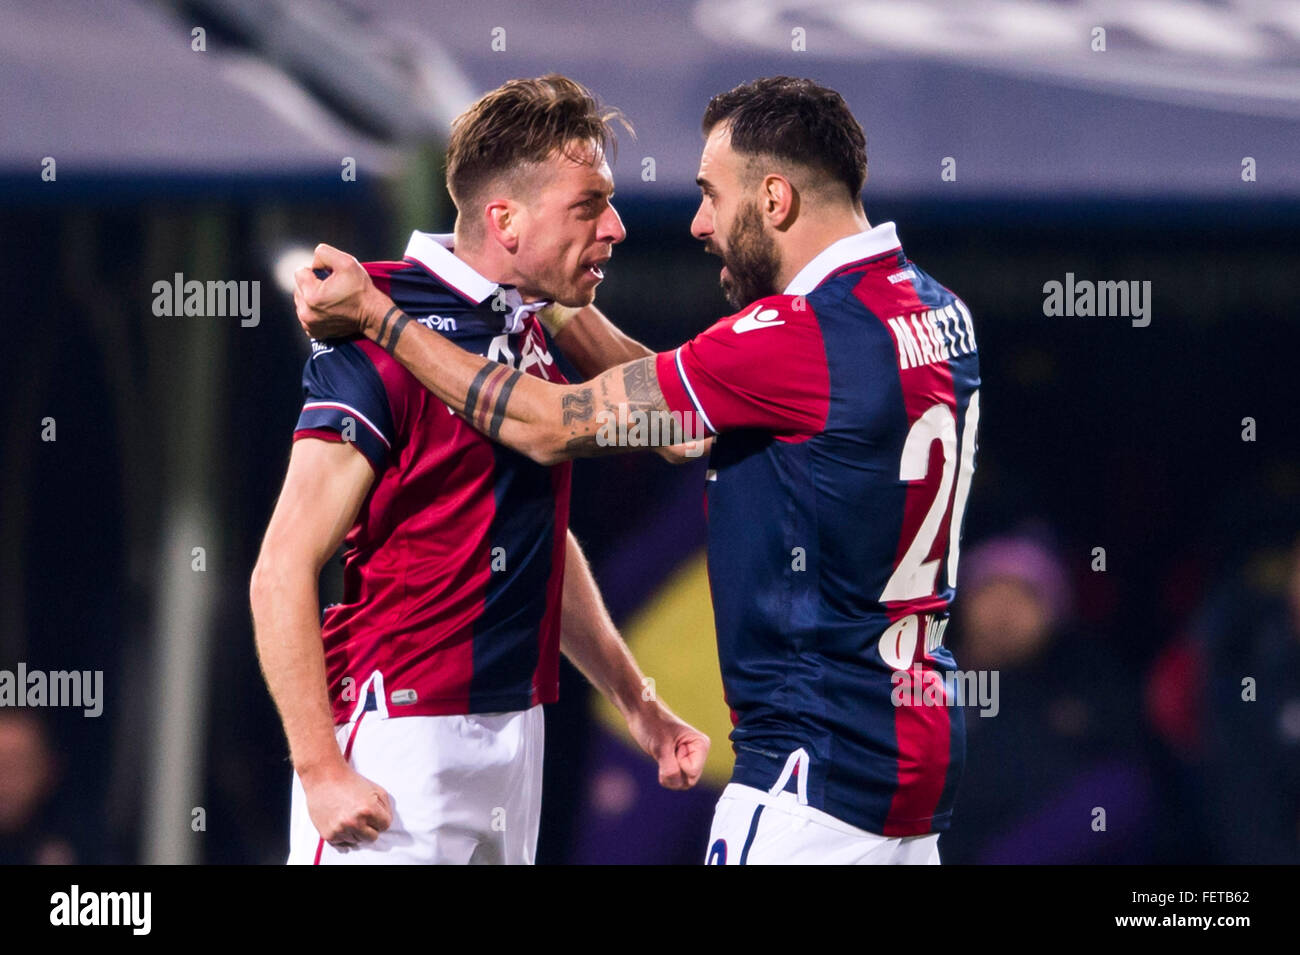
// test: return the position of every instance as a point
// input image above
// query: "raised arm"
(547, 422)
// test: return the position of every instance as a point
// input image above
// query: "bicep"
(324, 488)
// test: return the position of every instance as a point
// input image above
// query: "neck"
(811, 234)
(481, 259)
(490, 261)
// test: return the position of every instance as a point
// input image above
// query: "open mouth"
(594, 268)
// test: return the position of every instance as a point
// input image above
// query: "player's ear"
(501, 218)
(779, 202)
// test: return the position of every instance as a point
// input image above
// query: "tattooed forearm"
(571, 421)
(604, 395)
(577, 406)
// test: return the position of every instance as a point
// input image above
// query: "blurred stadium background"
(1119, 688)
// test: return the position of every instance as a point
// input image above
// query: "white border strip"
(681, 373)
(341, 406)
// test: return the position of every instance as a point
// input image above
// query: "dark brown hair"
(795, 120)
(521, 122)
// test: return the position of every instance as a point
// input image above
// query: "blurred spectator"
(29, 772)
(1063, 743)
(1240, 672)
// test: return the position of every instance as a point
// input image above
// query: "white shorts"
(751, 827)
(463, 789)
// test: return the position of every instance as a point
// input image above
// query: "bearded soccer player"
(413, 713)
(845, 397)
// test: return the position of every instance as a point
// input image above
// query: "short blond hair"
(520, 123)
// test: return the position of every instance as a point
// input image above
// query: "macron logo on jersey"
(759, 318)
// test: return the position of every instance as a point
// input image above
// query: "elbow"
(549, 453)
(272, 577)
(260, 587)
(549, 447)
(547, 459)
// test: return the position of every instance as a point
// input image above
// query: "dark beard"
(752, 259)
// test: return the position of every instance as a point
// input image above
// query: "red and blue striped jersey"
(454, 569)
(847, 411)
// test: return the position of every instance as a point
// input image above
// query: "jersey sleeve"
(764, 367)
(344, 399)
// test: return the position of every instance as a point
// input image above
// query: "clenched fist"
(346, 808)
(342, 303)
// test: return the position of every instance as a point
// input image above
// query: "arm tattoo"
(503, 399)
(383, 325)
(642, 386)
(399, 325)
(604, 395)
(389, 343)
(577, 406)
(475, 386)
(488, 395)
